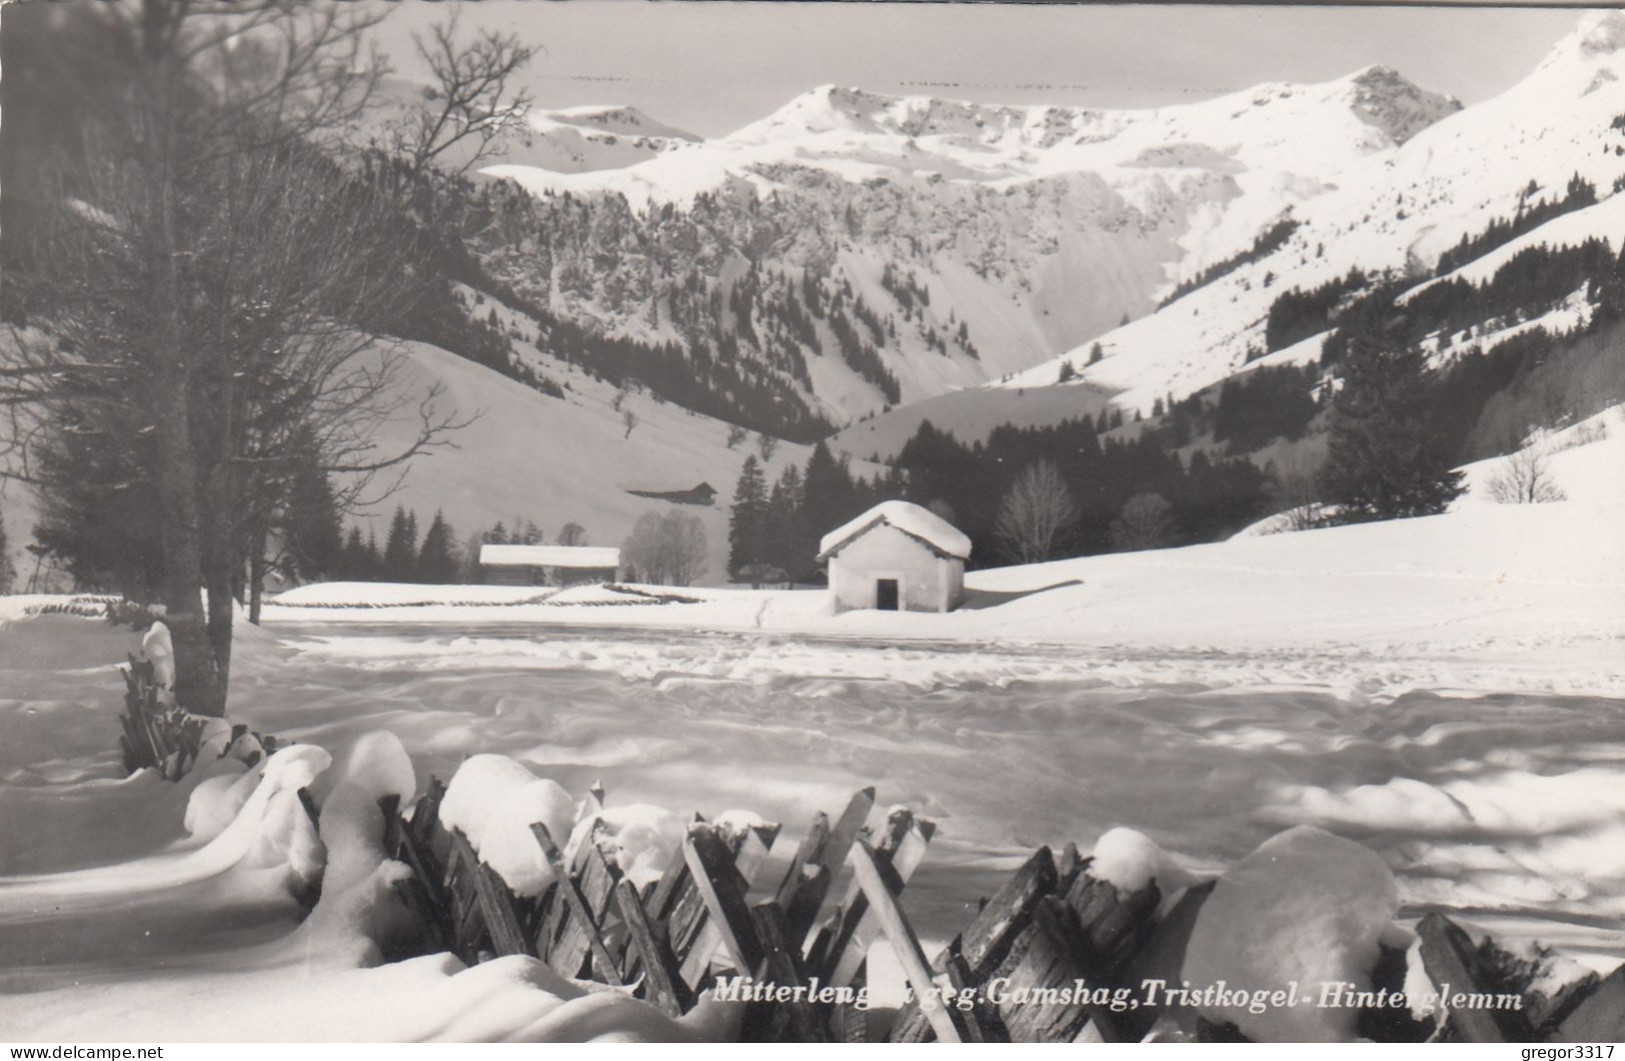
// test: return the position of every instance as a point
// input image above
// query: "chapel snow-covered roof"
(549, 556)
(907, 517)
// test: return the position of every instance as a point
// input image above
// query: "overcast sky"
(712, 67)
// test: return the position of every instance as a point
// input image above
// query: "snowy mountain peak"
(623, 120)
(1593, 53)
(1382, 97)
(1599, 33)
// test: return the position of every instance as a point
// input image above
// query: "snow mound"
(157, 648)
(737, 821)
(221, 791)
(494, 800)
(400, 594)
(640, 838)
(907, 517)
(355, 911)
(1305, 907)
(1129, 860)
(520, 999)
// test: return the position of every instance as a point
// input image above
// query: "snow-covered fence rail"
(672, 935)
(168, 738)
(1061, 952)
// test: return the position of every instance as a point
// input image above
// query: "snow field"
(1486, 596)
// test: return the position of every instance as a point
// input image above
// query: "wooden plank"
(903, 848)
(703, 940)
(947, 1023)
(1051, 960)
(308, 802)
(781, 967)
(722, 890)
(670, 885)
(494, 899)
(1067, 867)
(1448, 957)
(806, 886)
(431, 878)
(662, 979)
(390, 807)
(467, 921)
(978, 1028)
(579, 907)
(1600, 1017)
(1114, 926)
(415, 896)
(1004, 914)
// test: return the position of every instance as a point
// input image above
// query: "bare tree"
(667, 549)
(572, 534)
(1294, 486)
(1525, 479)
(630, 419)
(736, 435)
(1036, 515)
(207, 288)
(470, 103)
(1146, 522)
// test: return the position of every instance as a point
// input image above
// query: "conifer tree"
(748, 522)
(372, 567)
(312, 527)
(353, 562)
(787, 543)
(826, 491)
(437, 561)
(6, 572)
(1385, 459)
(400, 558)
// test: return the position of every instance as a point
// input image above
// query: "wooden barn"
(548, 565)
(896, 557)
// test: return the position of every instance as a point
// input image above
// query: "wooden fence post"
(948, 1023)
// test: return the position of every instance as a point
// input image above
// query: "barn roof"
(911, 519)
(549, 556)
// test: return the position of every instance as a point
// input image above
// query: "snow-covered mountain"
(1391, 214)
(583, 139)
(979, 239)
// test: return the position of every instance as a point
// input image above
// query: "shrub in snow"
(494, 800)
(1305, 907)
(1525, 479)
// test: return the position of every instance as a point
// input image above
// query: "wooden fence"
(1055, 941)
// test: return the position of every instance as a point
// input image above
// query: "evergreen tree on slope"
(747, 525)
(437, 562)
(1386, 459)
(400, 561)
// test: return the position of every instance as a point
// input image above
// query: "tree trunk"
(217, 580)
(256, 576)
(199, 686)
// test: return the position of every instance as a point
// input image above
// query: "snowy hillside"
(1022, 230)
(556, 461)
(581, 139)
(1397, 213)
